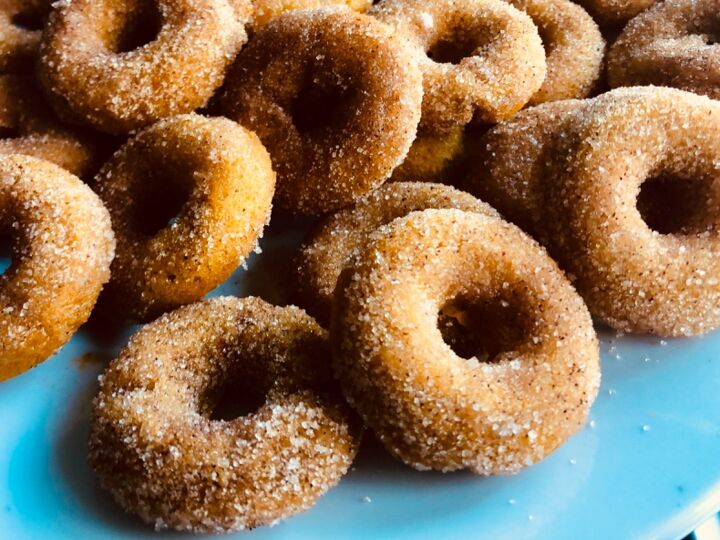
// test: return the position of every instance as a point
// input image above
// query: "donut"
(507, 166)
(334, 96)
(330, 245)
(189, 197)
(634, 208)
(614, 13)
(480, 58)
(163, 440)
(519, 393)
(120, 65)
(20, 24)
(266, 10)
(574, 48)
(674, 43)
(62, 245)
(29, 127)
(432, 157)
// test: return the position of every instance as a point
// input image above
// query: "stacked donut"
(454, 321)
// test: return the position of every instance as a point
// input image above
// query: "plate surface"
(647, 466)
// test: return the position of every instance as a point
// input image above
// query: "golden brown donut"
(159, 445)
(525, 388)
(29, 127)
(189, 197)
(432, 157)
(266, 10)
(674, 43)
(119, 65)
(20, 30)
(334, 96)
(574, 48)
(481, 58)
(330, 245)
(507, 167)
(634, 204)
(62, 245)
(614, 13)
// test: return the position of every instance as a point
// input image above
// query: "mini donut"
(20, 22)
(62, 245)
(481, 58)
(119, 65)
(266, 10)
(330, 245)
(432, 157)
(189, 197)
(674, 43)
(574, 48)
(334, 96)
(634, 204)
(507, 166)
(524, 389)
(158, 444)
(614, 13)
(29, 127)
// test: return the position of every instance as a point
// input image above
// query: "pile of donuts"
(482, 180)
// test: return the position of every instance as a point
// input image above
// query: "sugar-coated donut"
(20, 22)
(507, 167)
(433, 157)
(266, 10)
(613, 13)
(62, 245)
(330, 245)
(634, 205)
(189, 197)
(158, 445)
(574, 48)
(526, 387)
(674, 43)
(29, 127)
(481, 58)
(119, 65)
(334, 96)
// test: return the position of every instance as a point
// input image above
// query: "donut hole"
(318, 108)
(6, 250)
(670, 204)
(9, 132)
(159, 204)
(32, 20)
(484, 328)
(453, 49)
(237, 395)
(141, 28)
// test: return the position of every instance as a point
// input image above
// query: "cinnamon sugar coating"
(20, 22)
(120, 65)
(189, 197)
(494, 412)
(615, 13)
(62, 245)
(334, 96)
(674, 43)
(158, 446)
(266, 10)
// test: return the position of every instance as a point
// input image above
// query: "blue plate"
(647, 465)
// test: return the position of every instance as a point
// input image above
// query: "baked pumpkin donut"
(674, 43)
(334, 96)
(189, 197)
(614, 13)
(159, 445)
(119, 65)
(634, 203)
(525, 387)
(574, 48)
(329, 247)
(29, 127)
(507, 167)
(266, 10)
(62, 245)
(481, 58)
(20, 24)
